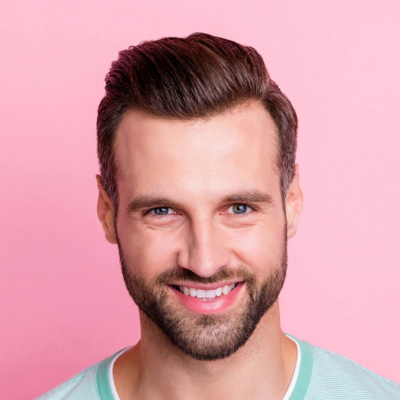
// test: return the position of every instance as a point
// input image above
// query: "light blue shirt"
(319, 375)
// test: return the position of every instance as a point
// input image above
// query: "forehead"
(158, 154)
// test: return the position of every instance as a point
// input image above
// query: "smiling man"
(200, 191)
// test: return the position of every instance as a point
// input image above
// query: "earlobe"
(106, 213)
(294, 204)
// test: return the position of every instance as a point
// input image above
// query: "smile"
(206, 294)
(207, 299)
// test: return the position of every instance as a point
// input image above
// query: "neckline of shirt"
(296, 390)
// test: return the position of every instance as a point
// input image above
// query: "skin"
(196, 165)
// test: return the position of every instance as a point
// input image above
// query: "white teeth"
(207, 294)
(210, 294)
(225, 289)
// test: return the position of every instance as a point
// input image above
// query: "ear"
(294, 204)
(106, 213)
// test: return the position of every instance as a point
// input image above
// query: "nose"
(205, 251)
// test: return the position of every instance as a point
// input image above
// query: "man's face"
(201, 225)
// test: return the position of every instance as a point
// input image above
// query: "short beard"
(205, 337)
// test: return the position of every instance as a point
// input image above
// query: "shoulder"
(81, 386)
(93, 383)
(337, 377)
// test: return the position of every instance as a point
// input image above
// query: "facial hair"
(205, 337)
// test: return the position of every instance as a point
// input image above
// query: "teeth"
(225, 289)
(207, 294)
(210, 294)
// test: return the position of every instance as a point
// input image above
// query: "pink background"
(63, 303)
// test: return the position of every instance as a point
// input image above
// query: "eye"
(162, 216)
(239, 209)
(162, 211)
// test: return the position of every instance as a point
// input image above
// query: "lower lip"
(215, 306)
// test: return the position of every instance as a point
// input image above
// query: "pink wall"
(63, 304)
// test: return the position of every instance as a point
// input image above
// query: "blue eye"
(239, 208)
(161, 210)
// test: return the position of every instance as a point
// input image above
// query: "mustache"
(183, 274)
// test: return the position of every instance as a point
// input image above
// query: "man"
(200, 191)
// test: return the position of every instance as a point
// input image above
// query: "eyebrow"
(254, 196)
(150, 202)
(249, 197)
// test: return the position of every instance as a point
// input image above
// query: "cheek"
(260, 248)
(148, 252)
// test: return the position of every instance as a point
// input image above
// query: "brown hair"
(185, 78)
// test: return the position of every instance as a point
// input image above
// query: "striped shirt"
(319, 375)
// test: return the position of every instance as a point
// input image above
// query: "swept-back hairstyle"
(186, 78)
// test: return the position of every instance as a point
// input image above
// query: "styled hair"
(186, 78)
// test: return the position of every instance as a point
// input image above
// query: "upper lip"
(211, 286)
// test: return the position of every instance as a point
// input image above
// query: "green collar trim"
(299, 391)
(306, 366)
(102, 378)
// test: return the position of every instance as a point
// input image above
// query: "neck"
(155, 368)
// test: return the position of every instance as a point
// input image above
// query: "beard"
(205, 337)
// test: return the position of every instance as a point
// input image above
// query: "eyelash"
(242, 214)
(252, 208)
(155, 215)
